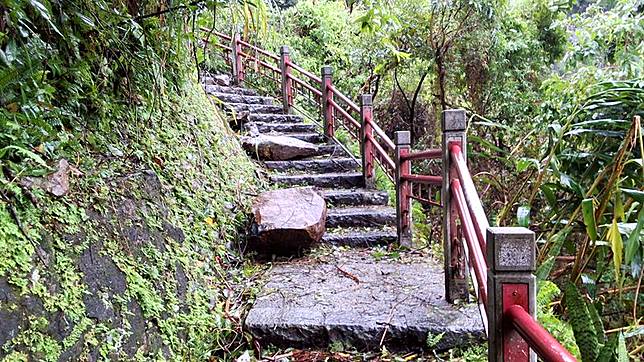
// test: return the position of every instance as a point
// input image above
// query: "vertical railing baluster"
(453, 125)
(287, 82)
(366, 133)
(511, 262)
(327, 109)
(403, 201)
(238, 65)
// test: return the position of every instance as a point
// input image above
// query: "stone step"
(211, 89)
(318, 165)
(308, 137)
(253, 108)
(359, 238)
(331, 150)
(240, 98)
(349, 179)
(338, 197)
(275, 118)
(353, 298)
(356, 216)
(263, 127)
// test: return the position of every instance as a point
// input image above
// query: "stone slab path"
(349, 296)
(352, 298)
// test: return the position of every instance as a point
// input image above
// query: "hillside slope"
(136, 259)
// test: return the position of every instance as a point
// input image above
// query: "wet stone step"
(280, 127)
(339, 197)
(275, 118)
(308, 137)
(353, 179)
(353, 298)
(319, 165)
(240, 98)
(253, 108)
(359, 238)
(211, 89)
(366, 216)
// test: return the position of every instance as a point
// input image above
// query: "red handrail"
(471, 196)
(352, 106)
(478, 260)
(423, 179)
(381, 152)
(259, 50)
(306, 73)
(344, 114)
(542, 342)
(305, 85)
(424, 155)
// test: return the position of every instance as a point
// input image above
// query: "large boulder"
(278, 148)
(286, 221)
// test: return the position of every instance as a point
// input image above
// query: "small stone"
(278, 148)
(56, 183)
(287, 220)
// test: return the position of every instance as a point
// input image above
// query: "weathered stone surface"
(371, 216)
(275, 118)
(253, 108)
(286, 221)
(348, 179)
(278, 148)
(281, 127)
(352, 298)
(317, 165)
(340, 197)
(360, 238)
(219, 79)
(210, 89)
(56, 183)
(240, 98)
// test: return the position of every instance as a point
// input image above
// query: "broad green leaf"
(589, 218)
(637, 195)
(634, 241)
(616, 245)
(543, 271)
(622, 352)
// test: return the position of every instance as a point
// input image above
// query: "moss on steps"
(136, 261)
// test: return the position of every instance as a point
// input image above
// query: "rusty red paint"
(477, 258)
(405, 169)
(542, 342)
(515, 348)
(423, 179)
(425, 155)
(367, 116)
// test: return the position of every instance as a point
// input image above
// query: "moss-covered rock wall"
(139, 258)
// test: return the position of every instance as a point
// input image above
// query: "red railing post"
(238, 64)
(511, 262)
(287, 82)
(453, 125)
(403, 201)
(366, 135)
(327, 109)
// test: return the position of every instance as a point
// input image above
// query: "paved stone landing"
(352, 298)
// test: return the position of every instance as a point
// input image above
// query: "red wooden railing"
(500, 259)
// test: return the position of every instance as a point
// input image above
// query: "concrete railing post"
(403, 201)
(238, 65)
(287, 82)
(511, 263)
(453, 125)
(366, 134)
(327, 109)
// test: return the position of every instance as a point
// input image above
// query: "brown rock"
(287, 220)
(56, 183)
(278, 148)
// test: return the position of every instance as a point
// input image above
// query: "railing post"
(327, 110)
(287, 83)
(403, 201)
(238, 65)
(453, 125)
(366, 130)
(511, 262)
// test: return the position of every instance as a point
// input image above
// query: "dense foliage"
(136, 259)
(553, 90)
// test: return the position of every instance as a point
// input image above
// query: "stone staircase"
(351, 296)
